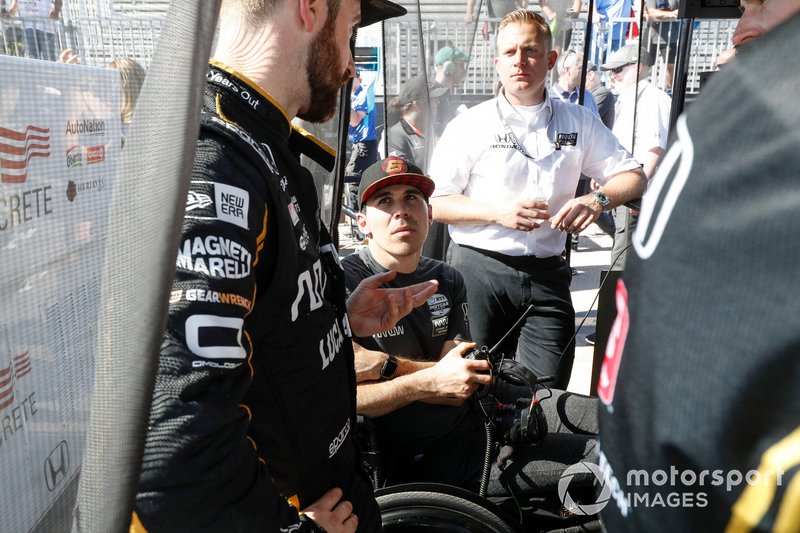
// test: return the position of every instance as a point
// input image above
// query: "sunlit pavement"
(592, 256)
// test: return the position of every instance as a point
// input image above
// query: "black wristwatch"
(389, 368)
(601, 199)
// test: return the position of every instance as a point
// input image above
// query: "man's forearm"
(381, 397)
(625, 186)
(458, 209)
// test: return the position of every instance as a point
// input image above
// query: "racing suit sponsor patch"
(215, 256)
(232, 204)
(339, 440)
(215, 337)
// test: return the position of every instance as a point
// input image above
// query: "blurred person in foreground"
(699, 383)
(506, 172)
(253, 414)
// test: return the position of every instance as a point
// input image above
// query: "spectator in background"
(131, 75)
(664, 30)
(606, 16)
(40, 35)
(560, 14)
(362, 130)
(410, 137)
(569, 86)
(450, 69)
(641, 125)
(603, 97)
(494, 8)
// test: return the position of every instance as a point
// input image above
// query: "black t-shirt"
(707, 338)
(419, 336)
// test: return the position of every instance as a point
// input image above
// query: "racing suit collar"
(251, 104)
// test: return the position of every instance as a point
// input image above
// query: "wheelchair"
(517, 500)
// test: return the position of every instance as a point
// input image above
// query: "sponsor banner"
(60, 144)
(59, 149)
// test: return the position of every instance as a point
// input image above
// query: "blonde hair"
(523, 16)
(132, 76)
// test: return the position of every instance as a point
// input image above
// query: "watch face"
(389, 368)
(602, 198)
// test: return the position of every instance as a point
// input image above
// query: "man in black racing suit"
(252, 414)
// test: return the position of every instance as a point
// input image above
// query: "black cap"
(373, 11)
(417, 89)
(391, 171)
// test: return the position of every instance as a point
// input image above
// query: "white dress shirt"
(476, 157)
(652, 119)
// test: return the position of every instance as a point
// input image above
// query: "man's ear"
(313, 14)
(363, 226)
(430, 214)
(551, 60)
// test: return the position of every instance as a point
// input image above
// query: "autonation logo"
(673, 488)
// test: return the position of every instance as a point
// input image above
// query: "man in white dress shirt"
(506, 172)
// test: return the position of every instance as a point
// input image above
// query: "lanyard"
(510, 133)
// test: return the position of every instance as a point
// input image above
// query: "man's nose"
(350, 72)
(401, 211)
(747, 28)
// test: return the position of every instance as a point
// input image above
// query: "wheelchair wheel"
(438, 509)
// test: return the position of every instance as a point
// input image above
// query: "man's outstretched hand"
(373, 309)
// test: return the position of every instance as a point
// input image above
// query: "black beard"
(324, 79)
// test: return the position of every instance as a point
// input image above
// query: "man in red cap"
(413, 380)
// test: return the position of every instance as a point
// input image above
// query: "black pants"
(499, 290)
(457, 458)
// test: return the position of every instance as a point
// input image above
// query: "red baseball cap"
(391, 171)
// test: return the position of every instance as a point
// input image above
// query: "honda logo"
(56, 466)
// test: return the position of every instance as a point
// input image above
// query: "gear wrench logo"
(585, 509)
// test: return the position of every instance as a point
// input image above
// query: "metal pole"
(681, 71)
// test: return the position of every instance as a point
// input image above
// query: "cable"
(591, 306)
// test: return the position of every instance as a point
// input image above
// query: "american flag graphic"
(18, 367)
(17, 148)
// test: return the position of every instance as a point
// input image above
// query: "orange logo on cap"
(394, 165)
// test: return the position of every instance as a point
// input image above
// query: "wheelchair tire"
(432, 511)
